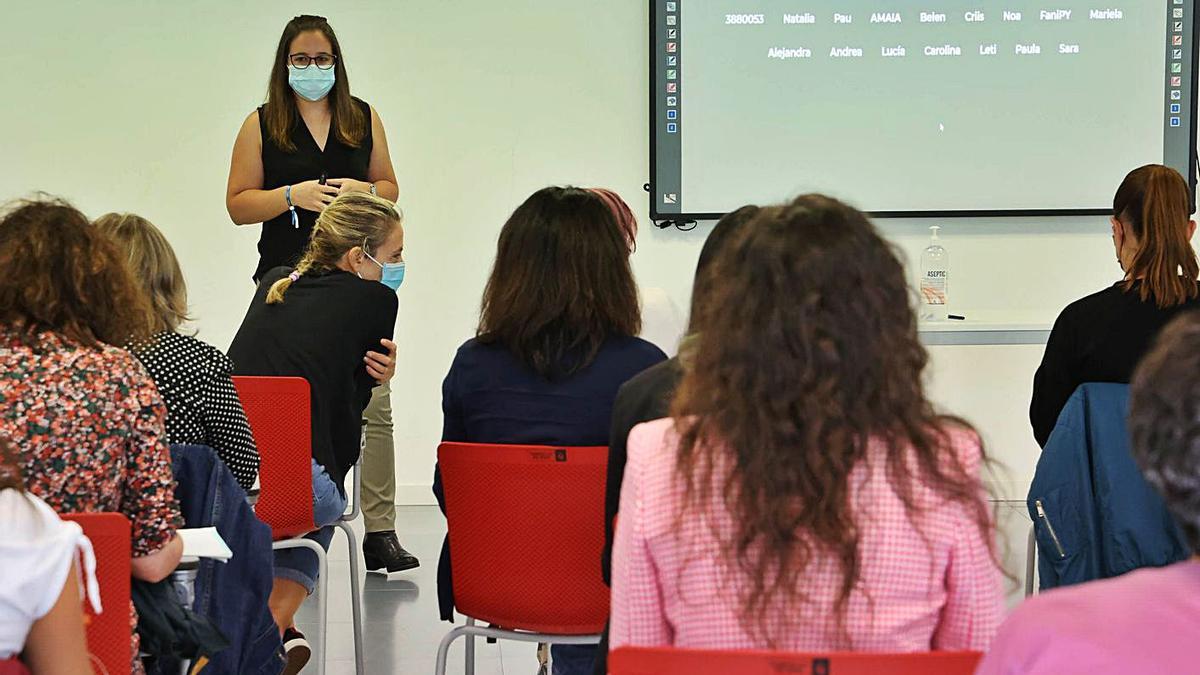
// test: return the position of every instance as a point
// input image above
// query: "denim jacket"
(233, 594)
(1094, 514)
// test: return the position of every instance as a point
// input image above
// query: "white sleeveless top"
(36, 552)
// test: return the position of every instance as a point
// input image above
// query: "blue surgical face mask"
(311, 83)
(393, 273)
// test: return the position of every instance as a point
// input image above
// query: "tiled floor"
(400, 615)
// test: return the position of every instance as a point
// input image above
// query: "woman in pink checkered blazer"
(805, 496)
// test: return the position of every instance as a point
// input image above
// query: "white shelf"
(987, 328)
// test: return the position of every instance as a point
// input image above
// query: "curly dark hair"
(64, 276)
(1164, 421)
(561, 284)
(809, 350)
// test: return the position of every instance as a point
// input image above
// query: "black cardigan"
(1100, 338)
(321, 331)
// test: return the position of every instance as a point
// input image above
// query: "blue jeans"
(573, 659)
(300, 564)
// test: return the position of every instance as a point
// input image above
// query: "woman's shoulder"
(1104, 296)
(24, 517)
(653, 444)
(189, 349)
(653, 449)
(964, 443)
(474, 352)
(636, 349)
(274, 274)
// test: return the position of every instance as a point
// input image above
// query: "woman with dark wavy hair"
(806, 495)
(556, 339)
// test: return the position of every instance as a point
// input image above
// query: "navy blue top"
(490, 396)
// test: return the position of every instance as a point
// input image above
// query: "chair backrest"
(526, 528)
(108, 632)
(279, 410)
(668, 661)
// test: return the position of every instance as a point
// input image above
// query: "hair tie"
(294, 276)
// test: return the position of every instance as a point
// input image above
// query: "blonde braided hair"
(355, 219)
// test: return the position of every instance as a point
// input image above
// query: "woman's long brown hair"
(1155, 202)
(561, 284)
(280, 114)
(62, 275)
(807, 351)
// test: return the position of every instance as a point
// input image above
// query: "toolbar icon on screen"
(1176, 81)
(672, 33)
(1175, 121)
(670, 198)
(672, 60)
(1175, 109)
(671, 20)
(672, 101)
(1176, 67)
(1177, 40)
(671, 47)
(674, 114)
(671, 7)
(1177, 54)
(1178, 26)
(672, 87)
(1176, 95)
(1178, 12)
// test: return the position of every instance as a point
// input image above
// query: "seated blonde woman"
(193, 377)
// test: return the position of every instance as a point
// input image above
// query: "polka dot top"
(194, 380)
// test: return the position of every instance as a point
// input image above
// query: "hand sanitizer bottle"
(935, 279)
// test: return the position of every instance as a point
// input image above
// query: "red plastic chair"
(526, 533)
(108, 635)
(13, 666)
(669, 661)
(279, 410)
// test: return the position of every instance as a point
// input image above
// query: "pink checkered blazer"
(915, 594)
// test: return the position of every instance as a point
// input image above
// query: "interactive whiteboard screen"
(936, 107)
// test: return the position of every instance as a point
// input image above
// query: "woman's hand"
(312, 196)
(345, 185)
(382, 366)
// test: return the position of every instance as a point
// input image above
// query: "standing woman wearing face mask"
(309, 143)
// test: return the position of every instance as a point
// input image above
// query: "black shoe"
(297, 649)
(382, 551)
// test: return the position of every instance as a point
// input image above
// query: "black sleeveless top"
(281, 244)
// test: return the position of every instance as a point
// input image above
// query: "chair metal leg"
(443, 651)
(322, 588)
(471, 631)
(469, 669)
(355, 597)
(1030, 560)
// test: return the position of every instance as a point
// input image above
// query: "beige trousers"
(379, 463)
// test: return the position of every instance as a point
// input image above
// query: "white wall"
(134, 105)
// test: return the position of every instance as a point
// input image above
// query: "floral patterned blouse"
(88, 426)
